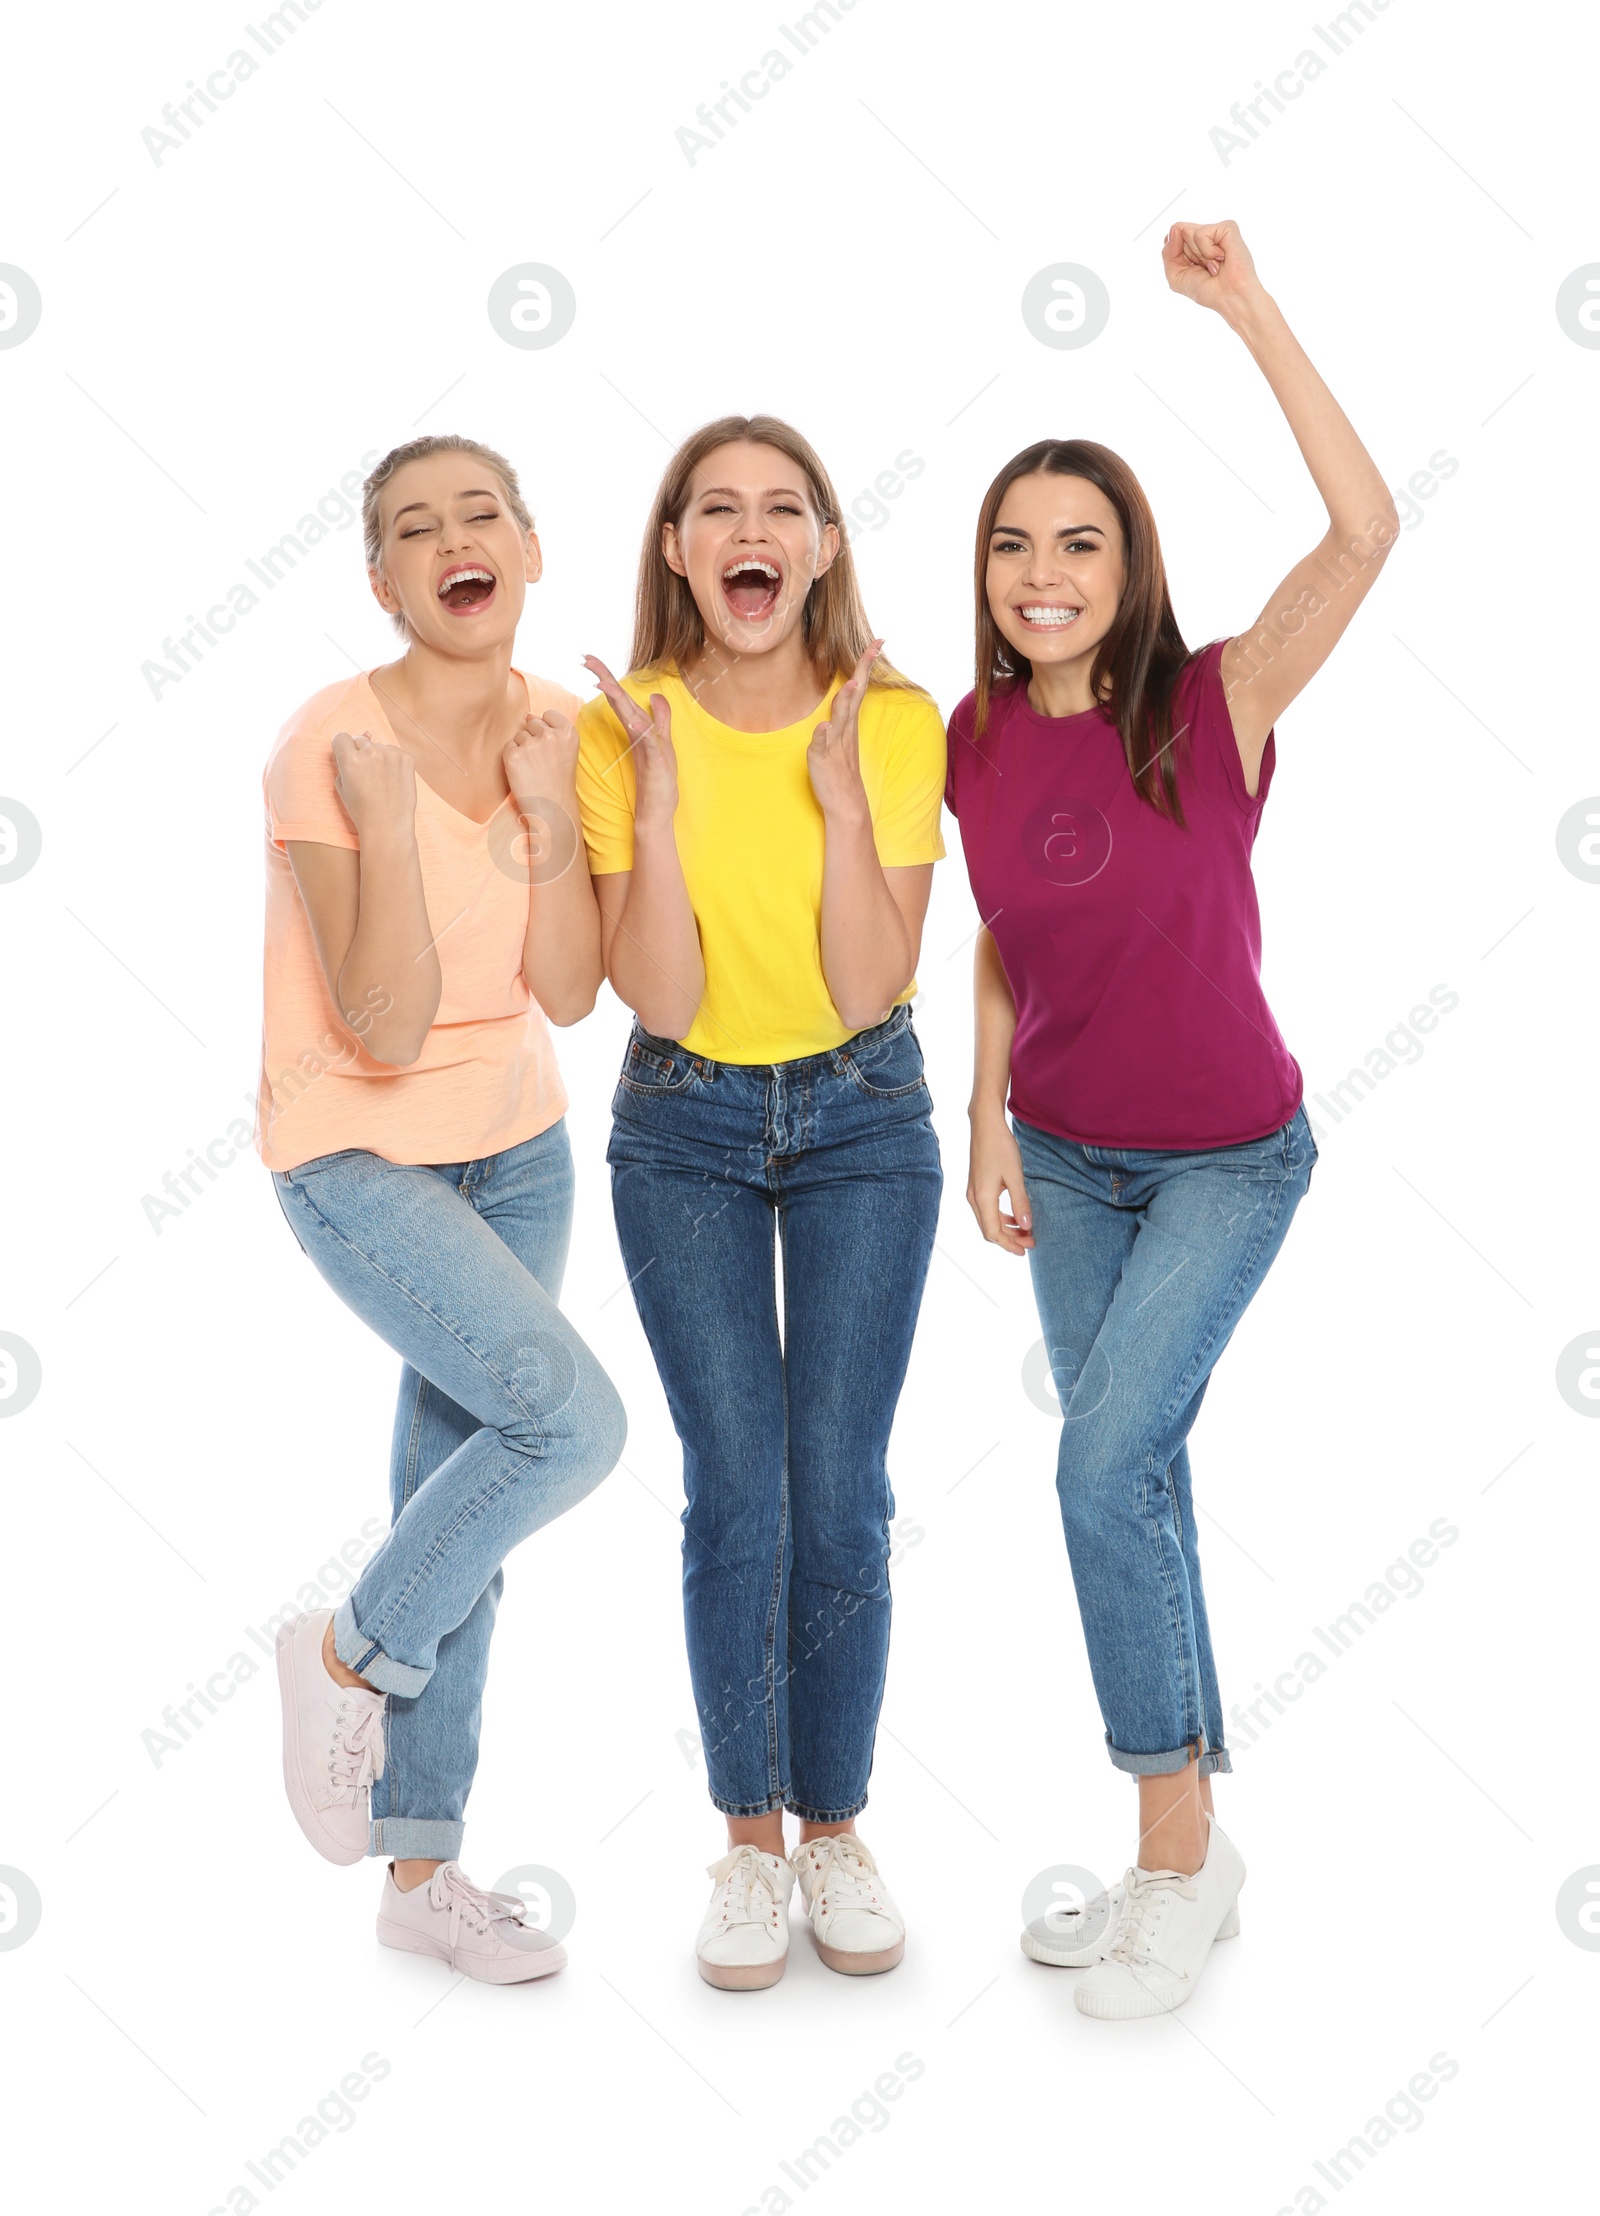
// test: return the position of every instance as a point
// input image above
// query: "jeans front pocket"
(886, 1062)
(656, 1066)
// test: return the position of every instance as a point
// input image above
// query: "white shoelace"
(843, 1872)
(473, 1905)
(739, 1874)
(355, 1755)
(1140, 1921)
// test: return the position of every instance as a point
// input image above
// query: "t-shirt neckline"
(807, 722)
(478, 823)
(1018, 703)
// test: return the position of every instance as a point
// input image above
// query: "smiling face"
(454, 561)
(1055, 569)
(750, 542)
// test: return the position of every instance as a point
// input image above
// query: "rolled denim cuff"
(1155, 1765)
(363, 1655)
(417, 1838)
(825, 1815)
(747, 1809)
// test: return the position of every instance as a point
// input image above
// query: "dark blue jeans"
(785, 1433)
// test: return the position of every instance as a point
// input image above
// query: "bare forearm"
(561, 958)
(867, 956)
(1344, 473)
(656, 966)
(389, 981)
(995, 1023)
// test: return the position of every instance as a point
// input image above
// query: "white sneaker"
(855, 1924)
(1072, 1938)
(1163, 1935)
(744, 1936)
(481, 1933)
(332, 1742)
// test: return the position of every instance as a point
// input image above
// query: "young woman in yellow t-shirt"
(760, 800)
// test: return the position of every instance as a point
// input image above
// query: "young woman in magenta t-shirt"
(1109, 784)
(761, 804)
(428, 904)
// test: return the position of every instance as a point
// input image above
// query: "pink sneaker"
(483, 1934)
(332, 1742)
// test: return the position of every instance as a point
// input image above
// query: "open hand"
(833, 757)
(1209, 263)
(655, 764)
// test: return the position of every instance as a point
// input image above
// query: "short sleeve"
(543, 694)
(605, 789)
(299, 784)
(905, 825)
(959, 735)
(1200, 702)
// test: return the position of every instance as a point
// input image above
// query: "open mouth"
(462, 589)
(751, 589)
(1041, 615)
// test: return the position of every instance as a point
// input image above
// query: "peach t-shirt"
(486, 1078)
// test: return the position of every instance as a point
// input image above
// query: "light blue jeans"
(505, 1420)
(1143, 1263)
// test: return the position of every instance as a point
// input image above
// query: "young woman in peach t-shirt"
(428, 905)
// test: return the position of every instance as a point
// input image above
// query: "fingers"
(1014, 1236)
(1201, 245)
(627, 710)
(1017, 1194)
(847, 700)
(863, 668)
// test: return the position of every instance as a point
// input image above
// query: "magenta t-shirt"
(1133, 948)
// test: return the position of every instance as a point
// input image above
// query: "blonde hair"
(668, 629)
(418, 450)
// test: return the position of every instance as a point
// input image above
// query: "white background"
(224, 334)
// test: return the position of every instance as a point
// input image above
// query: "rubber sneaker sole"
(852, 1964)
(516, 1969)
(1083, 1958)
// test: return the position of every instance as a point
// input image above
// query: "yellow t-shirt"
(750, 839)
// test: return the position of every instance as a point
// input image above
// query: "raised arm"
(649, 939)
(561, 958)
(872, 917)
(367, 910)
(1269, 663)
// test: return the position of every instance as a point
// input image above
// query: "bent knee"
(585, 1434)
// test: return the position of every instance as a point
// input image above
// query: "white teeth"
(765, 568)
(462, 577)
(1060, 617)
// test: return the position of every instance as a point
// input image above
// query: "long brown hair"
(1136, 664)
(668, 629)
